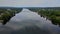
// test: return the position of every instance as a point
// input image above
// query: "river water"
(29, 22)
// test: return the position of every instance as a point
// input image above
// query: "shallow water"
(29, 22)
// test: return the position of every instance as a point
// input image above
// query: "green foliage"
(5, 15)
(52, 14)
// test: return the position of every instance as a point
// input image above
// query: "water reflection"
(28, 22)
(49, 13)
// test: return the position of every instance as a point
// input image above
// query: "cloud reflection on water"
(29, 19)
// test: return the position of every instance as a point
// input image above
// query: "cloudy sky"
(30, 3)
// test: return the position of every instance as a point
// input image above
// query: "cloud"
(30, 3)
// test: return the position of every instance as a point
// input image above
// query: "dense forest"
(7, 13)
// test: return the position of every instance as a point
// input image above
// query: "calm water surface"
(29, 22)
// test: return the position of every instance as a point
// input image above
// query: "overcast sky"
(30, 3)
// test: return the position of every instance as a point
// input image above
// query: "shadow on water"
(24, 30)
(31, 30)
(5, 30)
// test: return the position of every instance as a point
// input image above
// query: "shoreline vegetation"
(7, 14)
(51, 14)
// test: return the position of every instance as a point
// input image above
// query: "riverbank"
(6, 14)
(51, 14)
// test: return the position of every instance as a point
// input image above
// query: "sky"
(30, 3)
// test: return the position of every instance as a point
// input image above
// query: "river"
(29, 22)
